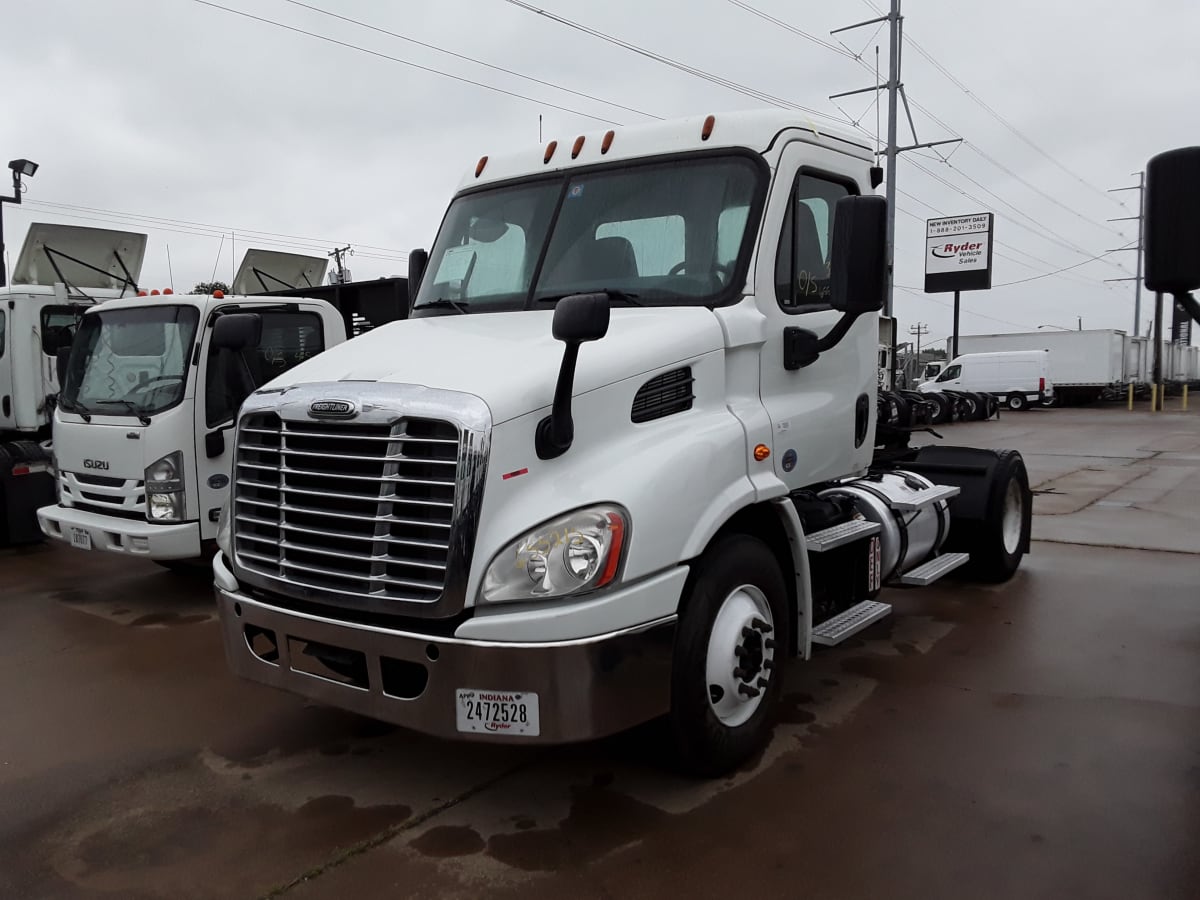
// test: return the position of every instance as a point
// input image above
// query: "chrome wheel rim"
(1014, 508)
(740, 660)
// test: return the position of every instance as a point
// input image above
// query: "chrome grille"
(349, 508)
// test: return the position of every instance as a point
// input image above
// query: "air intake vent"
(663, 395)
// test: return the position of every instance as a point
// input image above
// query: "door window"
(802, 263)
(59, 324)
(288, 339)
(951, 373)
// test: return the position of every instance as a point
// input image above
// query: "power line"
(796, 31)
(737, 87)
(1063, 269)
(957, 82)
(251, 232)
(405, 62)
(470, 59)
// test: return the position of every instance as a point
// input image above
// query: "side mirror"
(581, 317)
(577, 319)
(417, 261)
(237, 331)
(858, 255)
(214, 443)
(1173, 226)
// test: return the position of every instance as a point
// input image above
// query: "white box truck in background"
(62, 270)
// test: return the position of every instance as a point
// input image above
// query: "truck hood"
(510, 360)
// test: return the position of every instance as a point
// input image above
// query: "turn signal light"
(761, 452)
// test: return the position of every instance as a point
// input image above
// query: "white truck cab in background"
(1019, 378)
(61, 271)
(620, 462)
(151, 390)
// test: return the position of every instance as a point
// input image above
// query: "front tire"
(730, 653)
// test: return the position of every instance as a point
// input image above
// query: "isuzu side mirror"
(417, 261)
(237, 331)
(1173, 226)
(578, 318)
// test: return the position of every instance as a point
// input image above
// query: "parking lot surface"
(1035, 739)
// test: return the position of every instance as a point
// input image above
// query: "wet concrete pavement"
(1037, 739)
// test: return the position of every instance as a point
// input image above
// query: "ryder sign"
(958, 253)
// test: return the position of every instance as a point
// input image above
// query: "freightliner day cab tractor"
(618, 464)
(61, 271)
(150, 392)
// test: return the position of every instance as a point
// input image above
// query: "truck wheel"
(1017, 402)
(937, 411)
(998, 543)
(730, 652)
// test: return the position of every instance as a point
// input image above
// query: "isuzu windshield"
(130, 362)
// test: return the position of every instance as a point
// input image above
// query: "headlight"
(580, 551)
(164, 489)
(223, 531)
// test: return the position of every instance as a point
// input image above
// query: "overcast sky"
(184, 112)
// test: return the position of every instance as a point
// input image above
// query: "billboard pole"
(955, 353)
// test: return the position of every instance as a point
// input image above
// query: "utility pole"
(1140, 187)
(896, 95)
(338, 253)
(919, 330)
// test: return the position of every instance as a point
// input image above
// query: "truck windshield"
(661, 233)
(130, 362)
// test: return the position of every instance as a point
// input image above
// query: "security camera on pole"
(958, 257)
(19, 167)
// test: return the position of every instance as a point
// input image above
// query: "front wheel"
(730, 652)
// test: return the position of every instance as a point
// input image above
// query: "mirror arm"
(1188, 302)
(837, 332)
(556, 432)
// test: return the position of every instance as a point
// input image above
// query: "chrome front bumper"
(587, 688)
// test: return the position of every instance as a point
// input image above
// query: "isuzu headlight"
(224, 535)
(580, 551)
(164, 489)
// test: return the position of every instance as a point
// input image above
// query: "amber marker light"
(761, 452)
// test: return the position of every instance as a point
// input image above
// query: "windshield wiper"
(613, 293)
(72, 407)
(443, 303)
(129, 406)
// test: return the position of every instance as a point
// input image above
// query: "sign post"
(958, 257)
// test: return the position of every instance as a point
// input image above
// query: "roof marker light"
(575, 151)
(154, 293)
(607, 142)
(168, 291)
(706, 131)
(218, 295)
(479, 166)
(141, 293)
(550, 148)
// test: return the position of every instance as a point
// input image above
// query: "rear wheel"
(938, 404)
(729, 656)
(1017, 402)
(997, 544)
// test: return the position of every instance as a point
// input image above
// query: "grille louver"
(355, 509)
(663, 395)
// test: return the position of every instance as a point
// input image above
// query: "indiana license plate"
(497, 712)
(81, 539)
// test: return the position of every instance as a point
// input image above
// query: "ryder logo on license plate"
(497, 712)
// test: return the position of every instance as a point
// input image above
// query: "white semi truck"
(618, 464)
(151, 390)
(61, 271)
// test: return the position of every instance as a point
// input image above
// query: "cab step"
(924, 498)
(929, 572)
(838, 535)
(855, 619)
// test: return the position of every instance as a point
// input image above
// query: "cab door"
(822, 415)
(226, 378)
